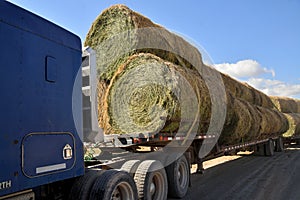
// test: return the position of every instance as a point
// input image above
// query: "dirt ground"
(249, 177)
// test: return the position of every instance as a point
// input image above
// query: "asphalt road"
(251, 178)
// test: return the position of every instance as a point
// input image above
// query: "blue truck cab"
(40, 142)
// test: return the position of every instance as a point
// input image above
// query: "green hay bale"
(294, 124)
(119, 32)
(134, 103)
(255, 120)
(139, 103)
(230, 122)
(286, 105)
(243, 121)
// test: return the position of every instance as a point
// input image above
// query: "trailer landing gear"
(200, 168)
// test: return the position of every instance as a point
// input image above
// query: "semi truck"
(51, 146)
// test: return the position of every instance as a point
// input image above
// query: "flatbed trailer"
(48, 124)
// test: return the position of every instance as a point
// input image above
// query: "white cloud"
(275, 87)
(244, 69)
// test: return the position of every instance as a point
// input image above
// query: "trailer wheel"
(115, 185)
(82, 186)
(178, 174)
(279, 145)
(151, 180)
(269, 148)
(130, 166)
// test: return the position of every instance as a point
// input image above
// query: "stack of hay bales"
(131, 102)
(291, 108)
(247, 122)
(121, 48)
(294, 125)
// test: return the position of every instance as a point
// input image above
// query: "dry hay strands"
(246, 92)
(294, 125)
(149, 95)
(118, 32)
(286, 105)
(101, 91)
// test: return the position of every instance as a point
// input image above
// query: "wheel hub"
(116, 195)
(152, 189)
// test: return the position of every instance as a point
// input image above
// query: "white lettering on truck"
(5, 184)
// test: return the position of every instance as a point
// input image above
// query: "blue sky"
(255, 41)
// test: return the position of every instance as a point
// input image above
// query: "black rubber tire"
(83, 185)
(113, 183)
(279, 145)
(269, 148)
(178, 174)
(151, 180)
(259, 150)
(130, 166)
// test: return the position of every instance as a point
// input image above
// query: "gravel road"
(251, 178)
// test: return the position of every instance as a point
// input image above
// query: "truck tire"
(82, 186)
(113, 184)
(259, 150)
(279, 145)
(151, 180)
(130, 166)
(269, 148)
(178, 174)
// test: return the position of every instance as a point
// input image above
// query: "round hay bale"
(145, 96)
(230, 122)
(255, 119)
(244, 120)
(294, 124)
(119, 32)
